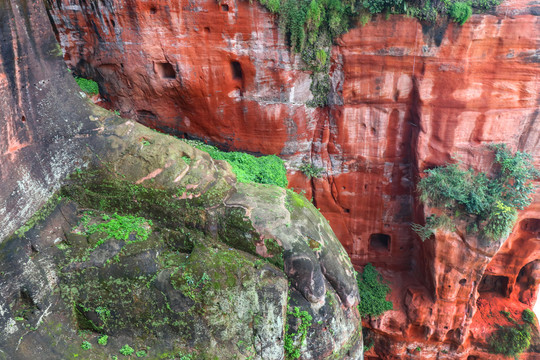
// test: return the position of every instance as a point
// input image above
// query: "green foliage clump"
(528, 316)
(373, 291)
(119, 227)
(103, 340)
(86, 345)
(488, 204)
(140, 353)
(311, 26)
(127, 350)
(88, 86)
(460, 12)
(294, 341)
(512, 340)
(248, 168)
(310, 170)
(433, 222)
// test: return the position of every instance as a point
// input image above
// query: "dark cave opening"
(379, 242)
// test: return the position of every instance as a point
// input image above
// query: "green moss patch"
(248, 168)
(88, 86)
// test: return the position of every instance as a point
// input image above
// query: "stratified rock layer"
(407, 96)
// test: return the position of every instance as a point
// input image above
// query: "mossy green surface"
(88, 86)
(267, 169)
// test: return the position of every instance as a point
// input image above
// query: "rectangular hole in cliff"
(494, 284)
(225, 7)
(379, 242)
(165, 70)
(236, 70)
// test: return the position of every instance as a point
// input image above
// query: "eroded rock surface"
(407, 96)
(223, 268)
(197, 276)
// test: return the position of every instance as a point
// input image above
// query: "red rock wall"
(407, 96)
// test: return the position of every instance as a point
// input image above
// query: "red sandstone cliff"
(407, 96)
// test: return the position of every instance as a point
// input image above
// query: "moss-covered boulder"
(154, 247)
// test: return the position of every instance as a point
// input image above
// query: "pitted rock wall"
(407, 96)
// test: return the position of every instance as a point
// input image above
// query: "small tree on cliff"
(488, 203)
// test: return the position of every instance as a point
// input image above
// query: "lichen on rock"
(207, 266)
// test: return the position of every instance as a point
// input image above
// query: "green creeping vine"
(295, 341)
(312, 25)
(248, 168)
(373, 292)
(488, 204)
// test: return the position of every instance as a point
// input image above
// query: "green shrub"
(510, 340)
(460, 12)
(127, 350)
(311, 171)
(88, 86)
(373, 291)
(103, 339)
(528, 316)
(488, 204)
(86, 345)
(248, 168)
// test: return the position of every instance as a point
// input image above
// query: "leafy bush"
(528, 316)
(103, 339)
(311, 171)
(510, 340)
(127, 350)
(489, 204)
(86, 345)
(88, 86)
(248, 168)
(373, 292)
(460, 12)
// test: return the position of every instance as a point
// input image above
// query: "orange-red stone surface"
(406, 96)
